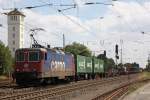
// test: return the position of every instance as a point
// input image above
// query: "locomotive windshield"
(20, 56)
(33, 56)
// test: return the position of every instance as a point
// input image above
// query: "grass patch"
(3, 77)
(145, 75)
(135, 86)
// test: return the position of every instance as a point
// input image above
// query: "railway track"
(16, 89)
(113, 93)
(33, 94)
(118, 92)
(5, 83)
(52, 92)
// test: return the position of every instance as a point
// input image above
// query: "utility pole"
(63, 40)
(1, 65)
(148, 66)
(121, 43)
(116, 56)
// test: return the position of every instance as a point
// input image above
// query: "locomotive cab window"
(45, 56)
(33, 56)
(19, 56)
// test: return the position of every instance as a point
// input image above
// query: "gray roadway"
(142, 93)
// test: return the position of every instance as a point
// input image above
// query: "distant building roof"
(15, 12)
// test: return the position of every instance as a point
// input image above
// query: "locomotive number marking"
(57, 65)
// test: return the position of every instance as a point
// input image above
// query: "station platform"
(142, 93)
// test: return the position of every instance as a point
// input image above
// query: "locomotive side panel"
(58, 65)
(69, 65)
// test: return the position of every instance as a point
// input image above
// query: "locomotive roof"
(44, 49)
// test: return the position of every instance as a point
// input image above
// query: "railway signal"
(104, 53)
(117, 57)
(116, 49)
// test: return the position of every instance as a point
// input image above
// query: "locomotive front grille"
(25, 75)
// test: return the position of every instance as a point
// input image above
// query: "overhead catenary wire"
(74, 6)
(75, 22)
(148, 12)
(77, 6)
(143, 6)
(126, 21)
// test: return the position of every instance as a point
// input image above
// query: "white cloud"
(55, 25)
(80, 3)
(124, 21)
(8, 3)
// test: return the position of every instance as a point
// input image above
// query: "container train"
(43, 65)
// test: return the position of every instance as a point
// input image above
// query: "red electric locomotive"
(42, 65)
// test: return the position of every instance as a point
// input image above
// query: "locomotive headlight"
(17, 70)
(26, 65)
(34, 69)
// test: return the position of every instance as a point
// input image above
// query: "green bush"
(6, 60)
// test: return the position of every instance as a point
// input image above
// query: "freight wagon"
(88, 67)
(98, 68)
(83, 67)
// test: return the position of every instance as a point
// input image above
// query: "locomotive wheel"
(54, 80)
(21, 83)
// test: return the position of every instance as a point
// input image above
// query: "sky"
(98, 26)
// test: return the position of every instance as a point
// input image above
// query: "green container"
(98, 66)
(81, 64)
(101, 66)
(88, 65)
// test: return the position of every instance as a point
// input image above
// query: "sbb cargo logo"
(89, 64)
(57, 65)
(97, 65)
(82, 65)
(101, 66)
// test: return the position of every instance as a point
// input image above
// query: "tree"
(78, 49)
(108, 62)
(5, 59)
(102, 56)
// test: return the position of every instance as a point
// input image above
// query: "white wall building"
(15, 30)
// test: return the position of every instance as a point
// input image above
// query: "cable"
(94, 3)
(77, 6)
(126, 21)
(60, 11)
(142, 6)
(145, 10)
(74, 21)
